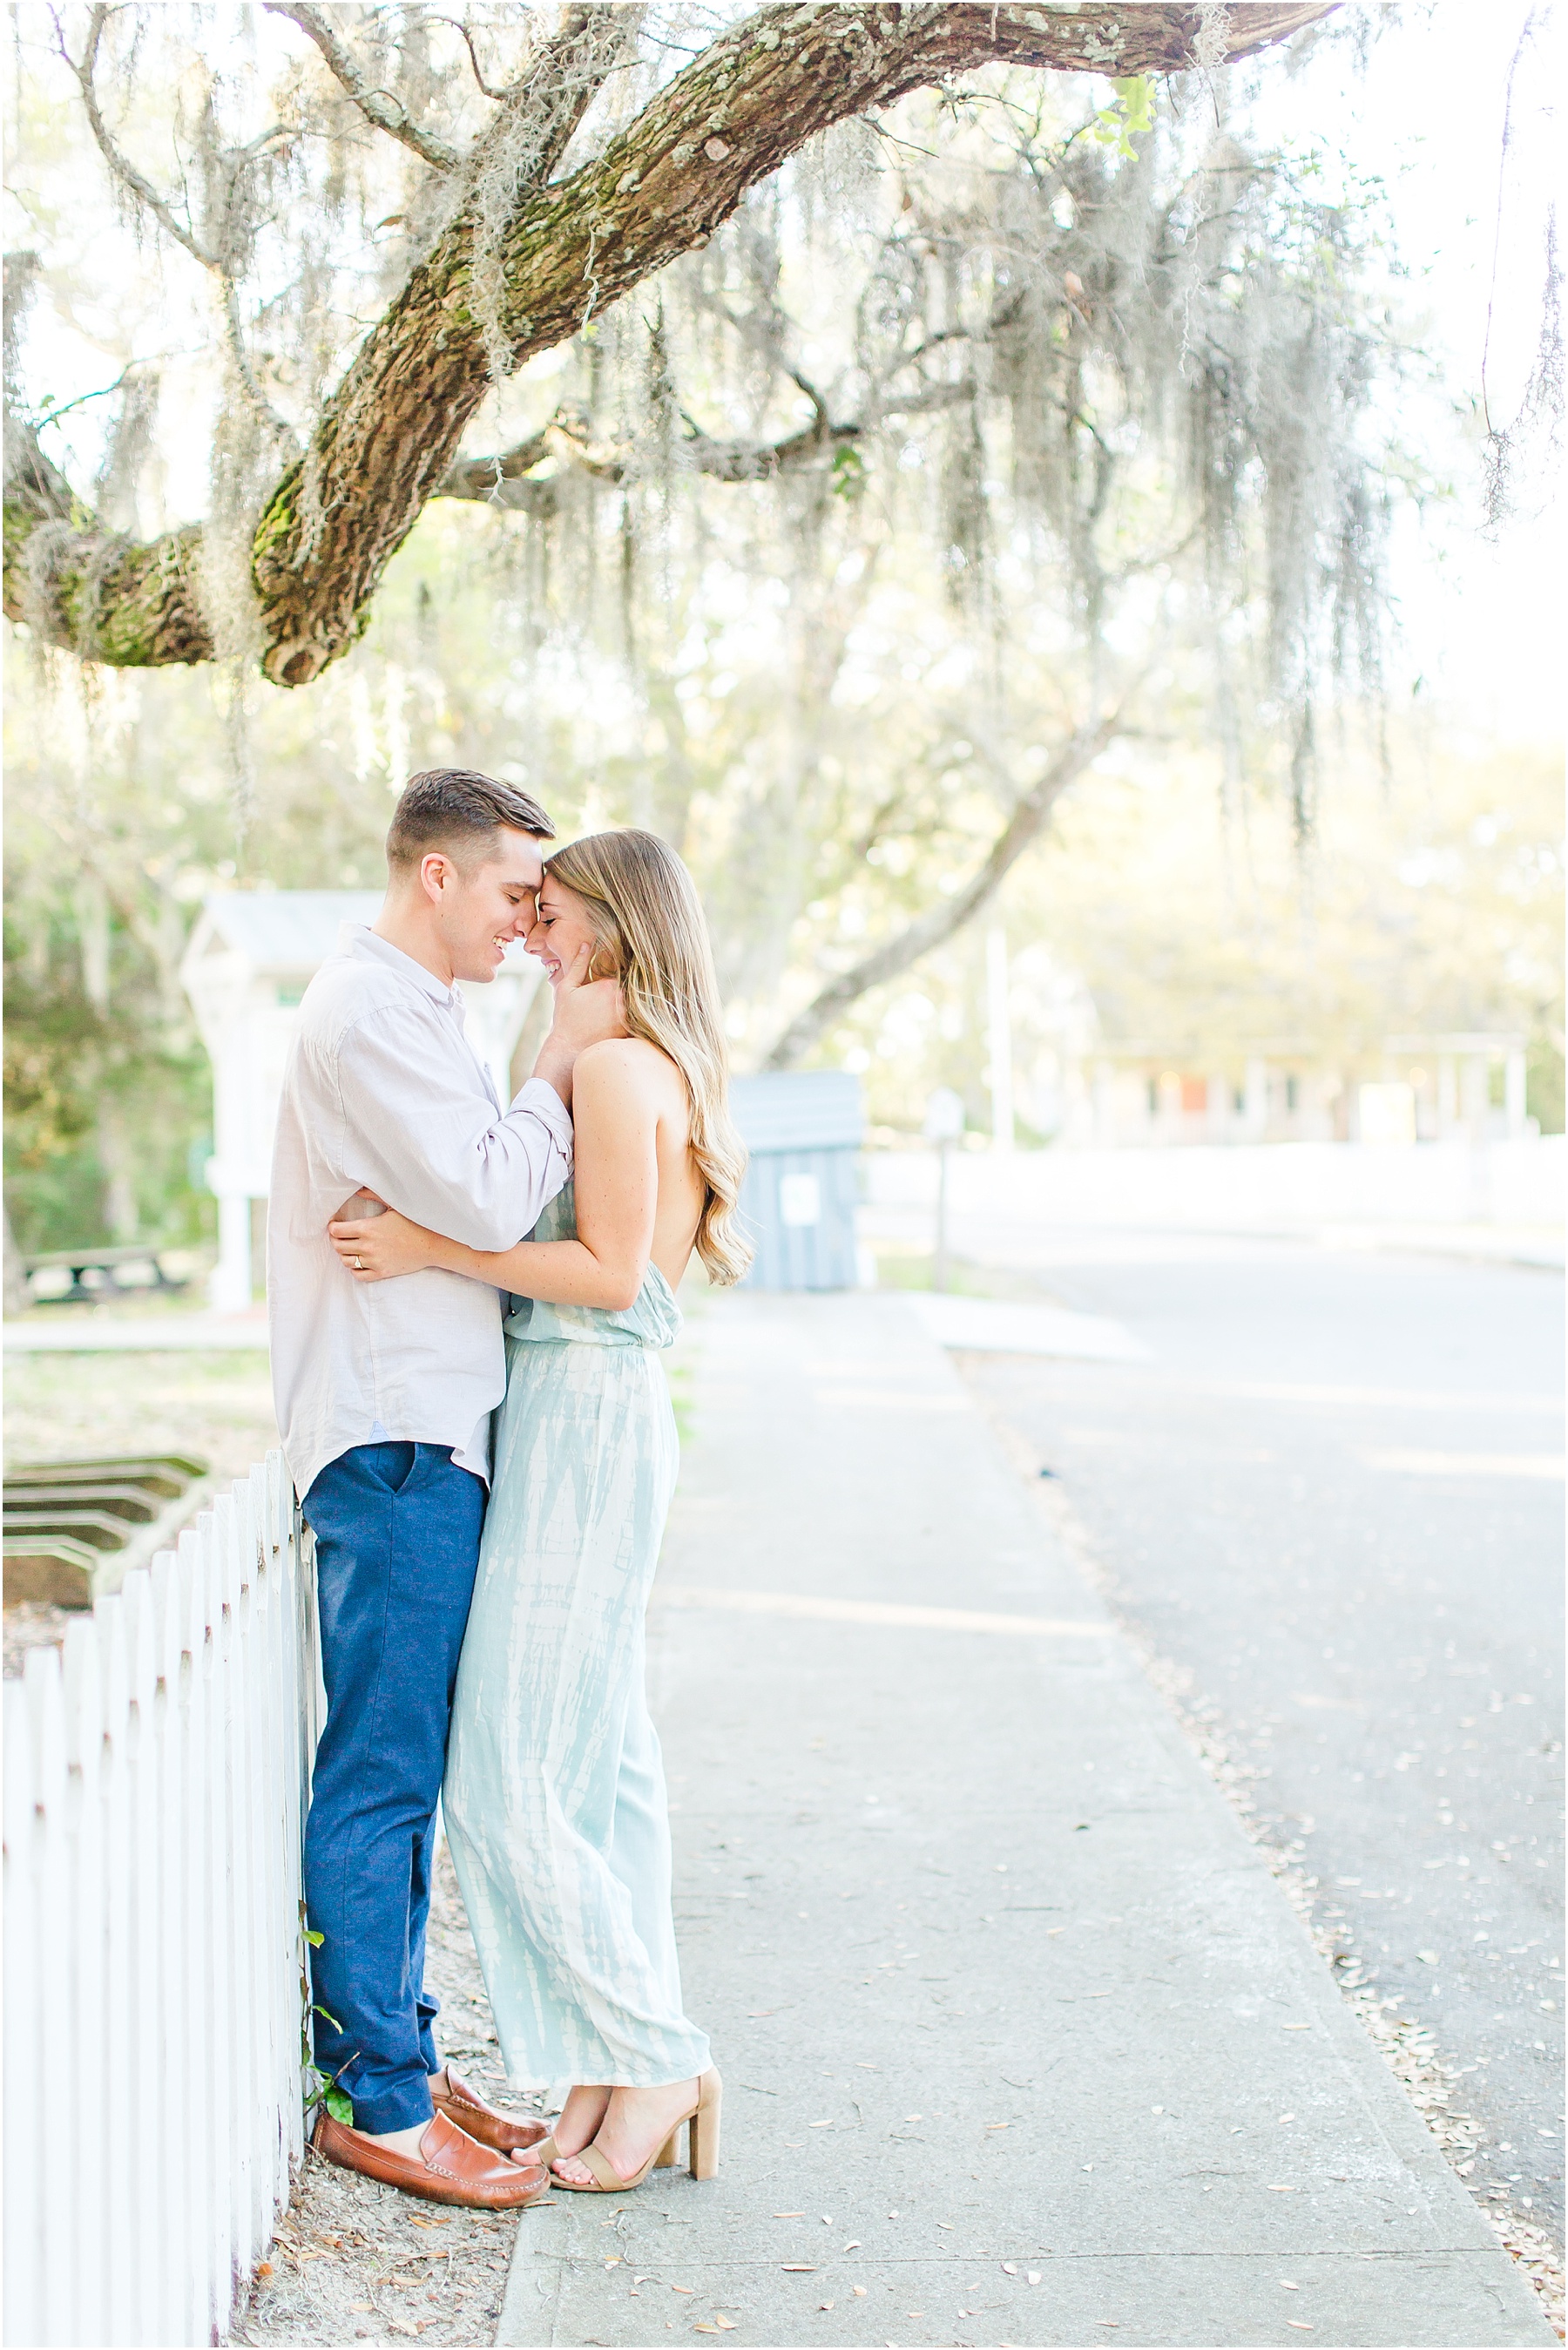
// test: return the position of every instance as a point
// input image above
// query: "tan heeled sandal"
(701, 2123)
(547, 2151)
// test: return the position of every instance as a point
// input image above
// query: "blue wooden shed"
(804, 1132)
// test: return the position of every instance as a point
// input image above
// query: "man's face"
(482, 911)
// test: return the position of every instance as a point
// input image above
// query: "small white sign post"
(1000, 1021)
(943, 1125)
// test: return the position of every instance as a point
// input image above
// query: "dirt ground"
(358, 2262)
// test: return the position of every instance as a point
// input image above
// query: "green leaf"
(1135, 92)
(339, 2107)
(850, 473)
(315, 1940)
(1133, 110)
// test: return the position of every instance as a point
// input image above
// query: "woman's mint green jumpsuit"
(555, 1797)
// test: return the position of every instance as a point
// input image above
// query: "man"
(384, 1393)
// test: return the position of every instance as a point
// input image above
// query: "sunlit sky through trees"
(835, 745)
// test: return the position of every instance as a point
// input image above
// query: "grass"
(75, 1407)
(900, 1268)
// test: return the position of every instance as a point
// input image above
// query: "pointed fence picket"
(157, 1772)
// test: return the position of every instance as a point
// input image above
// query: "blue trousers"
(397, 1534)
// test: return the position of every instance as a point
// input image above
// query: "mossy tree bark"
(387, 439)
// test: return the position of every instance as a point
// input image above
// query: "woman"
(554, 1796)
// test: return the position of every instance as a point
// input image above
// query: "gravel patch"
(358, 2262)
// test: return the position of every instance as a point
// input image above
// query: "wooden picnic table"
(107, 1263)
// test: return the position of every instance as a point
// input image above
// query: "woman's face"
(561, 927)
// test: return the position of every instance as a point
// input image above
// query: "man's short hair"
(460, 811)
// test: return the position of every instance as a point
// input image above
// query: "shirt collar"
(359, 939)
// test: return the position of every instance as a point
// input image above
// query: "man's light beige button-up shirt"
(384, 1091)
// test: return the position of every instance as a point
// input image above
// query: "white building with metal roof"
(251, 957)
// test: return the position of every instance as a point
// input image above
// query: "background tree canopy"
(823, 433)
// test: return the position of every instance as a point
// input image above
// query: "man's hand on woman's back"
(586, 1013)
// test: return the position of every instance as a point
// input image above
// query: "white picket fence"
(156, 1776)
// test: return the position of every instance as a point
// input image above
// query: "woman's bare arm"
(615, 1109)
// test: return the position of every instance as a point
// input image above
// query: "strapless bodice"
(653, 1319)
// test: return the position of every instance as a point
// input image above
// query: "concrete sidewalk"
(1021, 2042)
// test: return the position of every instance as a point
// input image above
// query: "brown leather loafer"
(463, 2105)
(450, 2168)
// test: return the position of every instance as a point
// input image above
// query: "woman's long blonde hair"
(648, 919)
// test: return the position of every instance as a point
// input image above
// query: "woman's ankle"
(581, 2113)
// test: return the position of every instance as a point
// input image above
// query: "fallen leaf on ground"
(725, 2324)
(789, 2215)
(1033, 2277)
(682, 2288)
(1281, 2190)
(826, 2125)
(416, 2222)
(858, 2290)
(1300, 2325)
(1010, 2268)
(798, 2268)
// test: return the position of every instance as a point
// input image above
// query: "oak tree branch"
(1029, 814)
(378, 106)
(388, 437)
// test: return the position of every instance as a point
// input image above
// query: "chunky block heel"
(701, 2125)
(703, 2130)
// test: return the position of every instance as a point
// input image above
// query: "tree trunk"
(1025, 824)
(388, 437)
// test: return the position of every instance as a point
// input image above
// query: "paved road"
(1021, 2040)
(1319, 1499)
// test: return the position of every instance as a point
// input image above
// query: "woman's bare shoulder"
(627, 1066)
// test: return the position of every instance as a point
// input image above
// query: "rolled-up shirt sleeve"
(410, 1134)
